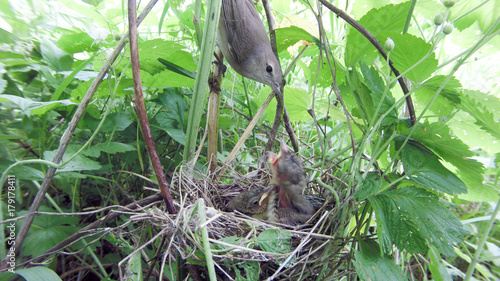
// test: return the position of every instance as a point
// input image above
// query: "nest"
(242, 246)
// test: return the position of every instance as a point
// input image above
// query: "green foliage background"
(430, 190)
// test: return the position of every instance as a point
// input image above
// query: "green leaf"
(37, 273)
(424, 167)
(361, 95)
(413, 218)
(24, 172)
(175, 103)
(166, 79)
(275, 241)
(448, 98)
(117, 122)
(369, 186)
(177, 69)
(48, 231)
(436, 267)
(108, 147)
(408, 51)
(38, 108)
(289, 36)
(376, 21)
(379, 94)
(77, 43)
(297, 102)
(79, 163)
(105, 89)
(251, 269)
(324, 74)
(370, 264)
(150, 51)
(486, 15)
(55, 57)
(484, 118)
(438, 138)
(133, 271)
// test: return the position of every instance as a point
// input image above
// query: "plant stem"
(482, 241)
(206, 244)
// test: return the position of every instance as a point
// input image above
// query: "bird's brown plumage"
(243, 41)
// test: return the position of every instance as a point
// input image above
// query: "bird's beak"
(265, 196)
(276, 87)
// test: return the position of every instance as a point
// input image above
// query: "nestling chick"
(259, 203)
(288, 175)
(262, 204)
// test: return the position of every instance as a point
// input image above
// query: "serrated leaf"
(438, 138)
(409, 50)
(251, 269)
(175, 103)
(376, 85)
(425, 168)
(370, 264)
(484, 118)
(412, 218)
(448, 98)
(386, 19)
(369, 186)
(275, 241)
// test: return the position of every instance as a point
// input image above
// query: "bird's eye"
(256, 202)
(269, 69)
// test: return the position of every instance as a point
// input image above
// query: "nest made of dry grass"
(316, 248)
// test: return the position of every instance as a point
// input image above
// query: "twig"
(140, 109)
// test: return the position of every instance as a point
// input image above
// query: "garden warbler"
(243, 41)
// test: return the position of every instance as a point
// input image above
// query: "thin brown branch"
(140, 109)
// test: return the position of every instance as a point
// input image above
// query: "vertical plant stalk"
(66, 137)
(213, 115)
(204, 236)
(380, 49)
(201, 82)
(140, 109)
(480, 246)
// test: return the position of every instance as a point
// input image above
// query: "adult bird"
(243, 41)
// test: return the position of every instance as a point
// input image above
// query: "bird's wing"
(243, 26)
